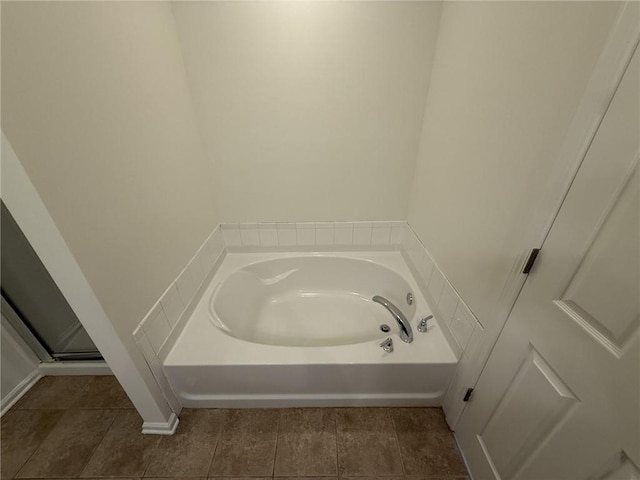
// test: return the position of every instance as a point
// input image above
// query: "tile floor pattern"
(86, 427)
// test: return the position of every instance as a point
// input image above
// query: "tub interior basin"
(308, 302)
(330, 318)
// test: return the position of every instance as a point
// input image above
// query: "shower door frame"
(38, 346)
(16, 321)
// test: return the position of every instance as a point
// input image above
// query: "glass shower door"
(34, 305)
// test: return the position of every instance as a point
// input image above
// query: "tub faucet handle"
(387, 345)
(422, 324)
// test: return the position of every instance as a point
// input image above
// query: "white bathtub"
(285, 329)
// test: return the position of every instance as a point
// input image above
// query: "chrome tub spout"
(406, 333)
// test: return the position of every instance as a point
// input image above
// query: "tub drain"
(385, 328)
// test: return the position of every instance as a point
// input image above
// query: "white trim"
(604, 81)
(33, 218)
(606, 76)
(313, 400)
(158, 428)
(19, 390)
(74, 368)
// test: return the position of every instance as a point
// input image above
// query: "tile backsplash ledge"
(238, 236)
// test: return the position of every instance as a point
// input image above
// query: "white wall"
(96, 105)
(506, 80)
(310, 110)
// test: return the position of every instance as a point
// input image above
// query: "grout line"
(82, 390)
(335, 427)
(275, 450)
(218, 438)
(229, 412)
(395, 435)
(116, 413)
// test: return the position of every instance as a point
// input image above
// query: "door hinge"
(531, 260)
(467, 396)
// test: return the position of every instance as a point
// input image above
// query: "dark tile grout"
(395, 435)
(275, 450)
(218, 438)
(335, 428)
(99, 443)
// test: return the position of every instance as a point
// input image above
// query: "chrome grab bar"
(406, 333)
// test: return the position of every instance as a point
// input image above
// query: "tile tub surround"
(165, 315)
(329, 443)
(455, 318)
(310, 236)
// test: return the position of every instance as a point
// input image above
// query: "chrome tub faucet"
(406, 333)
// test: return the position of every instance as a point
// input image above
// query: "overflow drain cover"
(385, 328)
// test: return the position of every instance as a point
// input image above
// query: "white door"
(559, 397)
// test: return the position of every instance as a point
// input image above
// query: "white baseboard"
(75, 368)
(157, 428)
(314, 400)
(16, 394)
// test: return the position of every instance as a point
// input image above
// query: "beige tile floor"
(85, 427)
